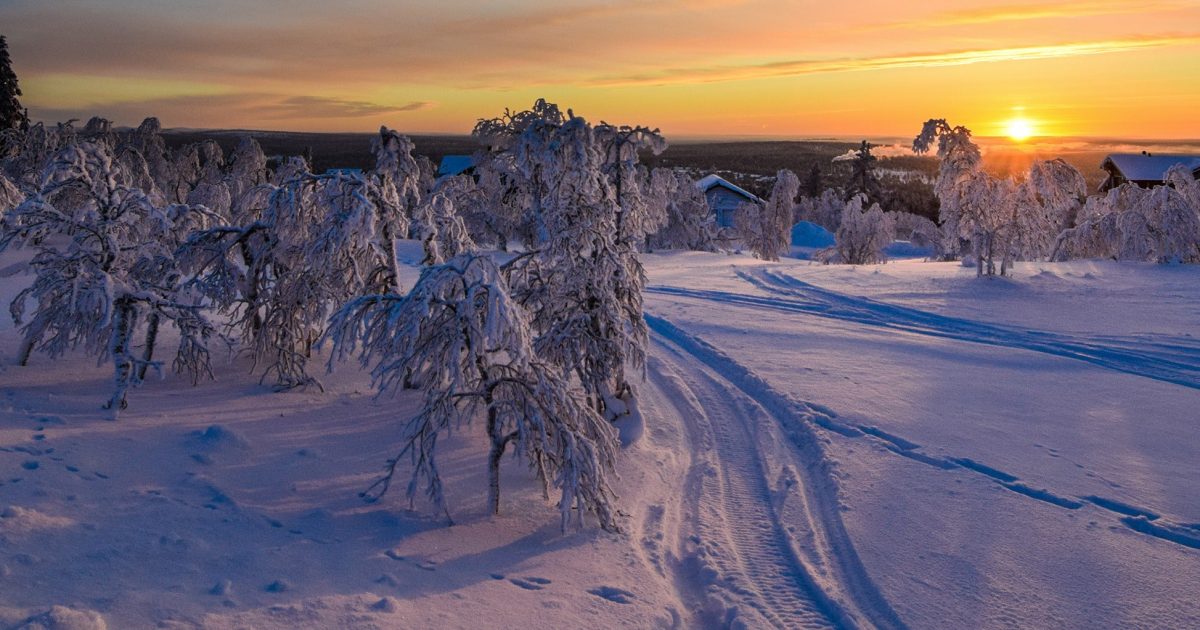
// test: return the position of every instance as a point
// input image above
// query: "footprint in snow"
(613, 594)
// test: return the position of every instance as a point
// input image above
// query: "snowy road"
(762, 540)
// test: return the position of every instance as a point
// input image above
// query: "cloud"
(1037, 11)
(324, 107)
(216, 110)
(885, 62)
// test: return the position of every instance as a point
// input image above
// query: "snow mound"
(217, 437)
(18, 520)
(807, 234)
(63, 618)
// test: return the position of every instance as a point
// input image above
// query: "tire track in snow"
(808, 555)
(1177, 363)
(1137, 519)
(736, 545)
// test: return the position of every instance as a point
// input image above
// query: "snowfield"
(899, 445)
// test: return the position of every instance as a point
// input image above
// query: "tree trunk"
(499, 445)
(251, 288)
(151, 337)
(26, 350)
(122, 328)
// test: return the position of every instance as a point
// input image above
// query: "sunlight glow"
(1019, 129)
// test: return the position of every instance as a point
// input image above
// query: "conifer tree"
(12, 116)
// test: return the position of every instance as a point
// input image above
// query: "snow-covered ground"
(894, 445)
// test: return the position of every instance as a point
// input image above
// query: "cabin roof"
(708, 182)
(455, 165)
(1145, 167)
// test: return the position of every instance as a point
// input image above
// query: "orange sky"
(696, 68)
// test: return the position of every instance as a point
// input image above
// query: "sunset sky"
(1110, 68)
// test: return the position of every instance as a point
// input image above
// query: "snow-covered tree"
(862, 179)
(245, 169)
(1185, 183)
(398, 177)
(319, 242)
(104, 264)
(824, 210)
(638, 216)
(10, 196)
(987, 216)
(766, 229)
(1060, 189)
(470, 346)
(1131, 223)
(441, 231)
(583, 283)
(690, 223)
(24, 154)
(863, 234)
(519, 187)
(960, 159)
(918, 230)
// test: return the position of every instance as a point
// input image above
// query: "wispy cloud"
(324, 107)
(214, 108)
(798, 67)
(1035, 11)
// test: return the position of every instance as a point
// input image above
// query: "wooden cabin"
(724, 197)
(1144, 169)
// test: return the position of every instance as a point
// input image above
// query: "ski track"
(795, 564)
(1135, 518)
(1172, 360)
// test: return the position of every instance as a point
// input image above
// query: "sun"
(1019, 129)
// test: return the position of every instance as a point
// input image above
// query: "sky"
(701, 68)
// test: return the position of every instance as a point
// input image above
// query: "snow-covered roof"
(1141, 167)
(709, 181)
(455, 164)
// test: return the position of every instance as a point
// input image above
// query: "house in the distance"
(456, 165)
(1144, 169)
(724, 197)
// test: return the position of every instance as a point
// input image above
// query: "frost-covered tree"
(398, 177)
(690, 223)
(245, 168)
(987, 210)
(960, 159)
(1131, 223)
(25, 153)
(520, 186)
(621, 144)
(1060, 190)
(147, 142)
(863, 234)
(766, 229)
(470, 346)
(862, 179)
(319, 242)
(104, 265)
(583, 281)
(10, 196)
(824, 210)
(919, 231)
(441, 231)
